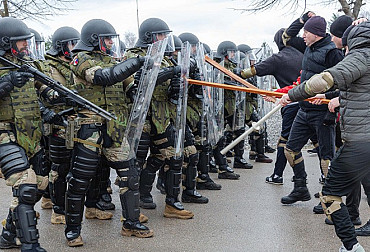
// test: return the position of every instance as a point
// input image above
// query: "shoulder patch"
(75, 61)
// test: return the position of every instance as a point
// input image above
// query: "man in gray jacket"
(350, 164)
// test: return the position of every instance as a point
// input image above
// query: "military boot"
(192, 196)
(57, 218)
(146, 202)
(8, 238)
(174, 209)
(212, 165)
(224, 171)
(261, 157)
(204, 182)
(46, 203)
(364, 230)
(299, 193)
(147, 177)
(105, 202)
(142, 218)
(95, 213)
(239, 161)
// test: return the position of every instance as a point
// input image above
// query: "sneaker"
(57, 218)
(356, 248)
(95, 213)
(274, 179)
(46, 203)
(173, 212)
(269, 149)
(364, 230)
(318, 209)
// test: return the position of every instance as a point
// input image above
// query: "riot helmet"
(40, 45)
(207, 49)
(152, 30)
(16, 37)
(122, 47)
(98, 34)
(191, 38)
(63, 41)
(244, 48)
(178, 43)
(248, 52)
(228, 50)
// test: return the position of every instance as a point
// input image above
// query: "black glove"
(142, 60)
(329, 118)
(19, 79)
(174, 89)
(305, 17)
(195, 75)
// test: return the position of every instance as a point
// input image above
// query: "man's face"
(337, 41)
(309, 38)
(108, 42)
(22, 46)
(160, 36)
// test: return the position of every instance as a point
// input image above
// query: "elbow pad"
(298, 93)
(167, 73)
(110, 76)
(6, 86)
(319, 83)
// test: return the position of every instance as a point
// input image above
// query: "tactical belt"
(74, 124)
(5, 126)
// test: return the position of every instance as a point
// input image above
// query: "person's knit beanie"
(316, 25)
(339, 25)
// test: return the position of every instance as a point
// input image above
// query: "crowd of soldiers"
(89, 105)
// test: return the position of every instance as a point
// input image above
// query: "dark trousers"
(306, 124)
(348, 168)
(288, 114)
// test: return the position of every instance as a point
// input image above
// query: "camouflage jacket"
(162, 111)
(21, 109)
(112, 98)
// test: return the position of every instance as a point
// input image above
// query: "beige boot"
(172, 212)
(1, 174)
(46, 203)
(76, 242)
(142, 218)
(92, 213)
(136, 232)
(57, 218)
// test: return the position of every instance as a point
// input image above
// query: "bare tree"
(349, 7)
(129, 38)
(34, 9)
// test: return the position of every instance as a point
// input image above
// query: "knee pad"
(143, 147)
(330, 204)
(40, 163)
(293, 158)
(84, 163)
(26, 194)
(58, 152)
(282, 142)
(78, 186)
(13, 159)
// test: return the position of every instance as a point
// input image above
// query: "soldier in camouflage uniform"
(98, 77)
(194, 120)
(20, 134)
(160, 131)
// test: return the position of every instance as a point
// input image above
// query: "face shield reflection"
(40, 50)
(233, 56)
(170, 47)
(109, 44)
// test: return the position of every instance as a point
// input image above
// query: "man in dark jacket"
(320, 54)
(350, 165)
(285, 67)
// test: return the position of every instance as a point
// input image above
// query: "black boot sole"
(284, 201)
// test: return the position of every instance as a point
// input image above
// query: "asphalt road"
(246, 215)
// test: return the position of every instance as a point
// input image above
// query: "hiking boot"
(318, 209)
(192, 196)
(46, 203)
(137, 229)
(95, 213)
(299, 193)
(146, 202)
(275, 179)
(356, 248)
(240, 162)
(75, 242)
(142, 218)
(173, 212)
(57, 218)
(261, 158)
(364, 230)
(269, 149)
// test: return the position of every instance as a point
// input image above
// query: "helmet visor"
(233, 56)
(24, 48)
(170, 47)
(67, 47)
(40, 50)
(109, 44)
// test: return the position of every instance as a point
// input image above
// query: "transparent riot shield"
(218, 104)
(144, 95)
(207, 117)
(240, 106)
(184, 62)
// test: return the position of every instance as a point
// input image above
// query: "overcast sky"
(212, 21)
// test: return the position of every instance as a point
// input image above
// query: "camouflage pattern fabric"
(21, 109)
